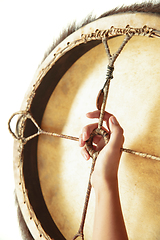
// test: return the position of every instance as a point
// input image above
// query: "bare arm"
(108, 220)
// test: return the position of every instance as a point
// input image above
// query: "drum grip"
(89, 143)
(18, 134)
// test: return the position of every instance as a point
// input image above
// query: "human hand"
(107, 163)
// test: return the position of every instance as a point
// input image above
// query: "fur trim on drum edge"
(142, 7)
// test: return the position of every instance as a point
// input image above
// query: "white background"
(27, 29)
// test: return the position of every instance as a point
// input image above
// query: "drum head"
(51, 175)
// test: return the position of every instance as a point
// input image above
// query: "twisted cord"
(26, 115)
(109, 75)
(19, 136)
(24, 140)
(105, 90)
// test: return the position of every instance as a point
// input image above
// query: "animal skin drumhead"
(62, 171)
(51, 176)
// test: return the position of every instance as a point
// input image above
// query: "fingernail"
(86, 156)
(114, 120)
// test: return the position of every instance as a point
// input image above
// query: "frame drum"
(50, 174)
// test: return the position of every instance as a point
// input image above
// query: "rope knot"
(109, 74)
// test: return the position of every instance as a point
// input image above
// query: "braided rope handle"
(101, 103)
(18, 135)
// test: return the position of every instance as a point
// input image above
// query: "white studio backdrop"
(27, 30)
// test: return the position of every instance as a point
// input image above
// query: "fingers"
(116, 137)
(85, 154)
(86, 131)
(115, 130)
(96, 114)
(84, 136)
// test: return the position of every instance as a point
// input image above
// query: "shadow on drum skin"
(51, 151)
(65, 92)
(138, 177)
(141, 8)
(37, 108)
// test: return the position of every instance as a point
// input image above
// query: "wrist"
(104, 185)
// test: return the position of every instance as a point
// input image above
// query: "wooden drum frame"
(50, 173)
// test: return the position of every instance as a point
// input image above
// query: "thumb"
(116, 138)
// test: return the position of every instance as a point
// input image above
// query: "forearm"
(108, 221)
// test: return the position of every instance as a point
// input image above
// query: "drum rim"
(30, 103)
